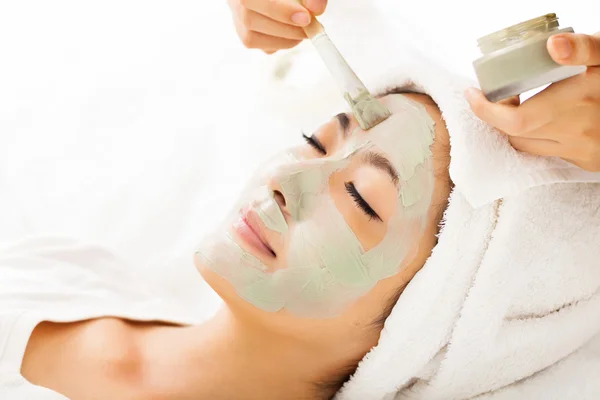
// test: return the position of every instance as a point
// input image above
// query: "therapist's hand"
(563, 120)
(272, 25)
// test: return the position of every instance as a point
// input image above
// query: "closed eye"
(315, 143)
(360, 202)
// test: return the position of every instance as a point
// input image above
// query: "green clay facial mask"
(326, 266)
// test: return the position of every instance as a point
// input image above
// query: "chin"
(219, 285)
(214, 280)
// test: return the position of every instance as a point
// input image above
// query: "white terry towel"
(508, 304)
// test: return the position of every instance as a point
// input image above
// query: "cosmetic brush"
(367, 109)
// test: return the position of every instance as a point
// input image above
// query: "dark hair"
(326, 389)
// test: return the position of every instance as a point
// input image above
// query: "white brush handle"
(341, 72)
(367, 109)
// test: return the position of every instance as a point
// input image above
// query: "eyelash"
(350, 188)
(315, 144)
(360, 202)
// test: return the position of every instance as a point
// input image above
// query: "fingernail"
(301, 18)
(562, 47)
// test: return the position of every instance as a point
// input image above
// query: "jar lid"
(517, 33)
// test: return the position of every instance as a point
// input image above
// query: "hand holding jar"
(563, 120)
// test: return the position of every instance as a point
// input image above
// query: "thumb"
(575, 49)
(316, 7)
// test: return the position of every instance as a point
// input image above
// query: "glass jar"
(516, 59)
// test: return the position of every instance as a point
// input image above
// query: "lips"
(250, 230)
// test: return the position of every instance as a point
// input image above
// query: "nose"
(295, 188)
(277, 192)
(279, 198)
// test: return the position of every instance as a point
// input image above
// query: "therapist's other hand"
(272, 25)
(563, 120)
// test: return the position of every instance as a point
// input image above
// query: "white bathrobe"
(508, 304)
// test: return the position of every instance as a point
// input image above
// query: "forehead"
(405, 137)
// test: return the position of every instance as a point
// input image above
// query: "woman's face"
(333, 225)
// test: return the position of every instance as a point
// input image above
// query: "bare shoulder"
(87, 359)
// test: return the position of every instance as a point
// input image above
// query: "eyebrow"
(380, 162)
(374, 159)
(344, 122)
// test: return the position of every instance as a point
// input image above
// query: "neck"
(225, 358)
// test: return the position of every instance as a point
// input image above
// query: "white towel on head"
(508, 304)
(484, 164)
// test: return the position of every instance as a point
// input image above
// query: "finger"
(513, 119)
(537, 111)
(286, 11)
(576, 134)
(538, 147)
(256, 22)
(257, 40)
(317, 7)
(569, 160)
(593, 166)
(581, 137)
(560, 131)
(575, 49)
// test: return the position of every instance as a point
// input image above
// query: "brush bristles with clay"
(367, 110)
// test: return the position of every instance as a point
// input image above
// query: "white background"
(133, 123)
